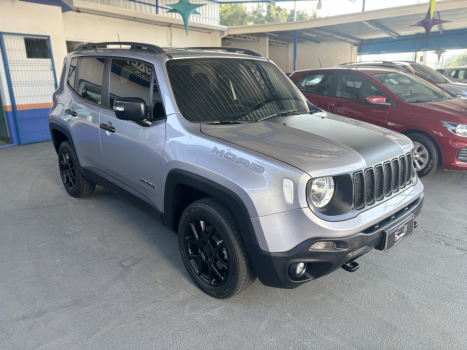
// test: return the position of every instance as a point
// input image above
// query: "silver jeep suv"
(219, 145)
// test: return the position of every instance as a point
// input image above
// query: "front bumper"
(273, 268)
(450, 148)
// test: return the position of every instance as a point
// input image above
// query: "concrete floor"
(97, 273)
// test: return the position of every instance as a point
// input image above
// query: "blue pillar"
(294, 50)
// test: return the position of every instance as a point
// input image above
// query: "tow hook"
(351, 266)
(415, 224)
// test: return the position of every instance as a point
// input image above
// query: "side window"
(453, 73)
(316, 83)
(353, 86)
(463, 74)
(72, 72)
(90, 79)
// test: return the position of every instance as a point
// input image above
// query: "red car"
(435, 120)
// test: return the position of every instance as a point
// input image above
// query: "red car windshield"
(411, 89)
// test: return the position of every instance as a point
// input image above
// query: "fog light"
(297, 270)
(323, 245)
(301, 268)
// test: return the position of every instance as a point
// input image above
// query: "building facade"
(35, 36)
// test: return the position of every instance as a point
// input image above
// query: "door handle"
(337, 104)
(71, 112)
(107, 127)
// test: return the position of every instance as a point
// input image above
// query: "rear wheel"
(212, 250)
(75, 183)
(425, 155)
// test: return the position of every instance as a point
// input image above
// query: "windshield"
(429, 74)
(410, 88)
(226, 89)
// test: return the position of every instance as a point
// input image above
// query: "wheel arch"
(418, 131)
(183, 188)
(59, 134)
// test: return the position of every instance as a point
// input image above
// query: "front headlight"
(456, 128)
(320, 191)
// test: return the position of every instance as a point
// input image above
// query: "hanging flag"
(440, 51)
(432, 8)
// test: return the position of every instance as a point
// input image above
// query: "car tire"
(75, 183)
(426, 157)
(212, 249)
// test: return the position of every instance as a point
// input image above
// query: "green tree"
(234, 15)
(459, 60)
(238, 14)
(302, 15)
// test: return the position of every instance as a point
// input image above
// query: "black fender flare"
(56, 125)
(229, 198)
(262, 262)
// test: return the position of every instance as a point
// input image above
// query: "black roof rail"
(133, 46)
(228, 49)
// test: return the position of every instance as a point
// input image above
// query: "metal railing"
(209, 14)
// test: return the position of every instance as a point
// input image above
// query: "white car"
(457, 74)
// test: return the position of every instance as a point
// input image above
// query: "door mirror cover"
(377, 100)
(131, 108)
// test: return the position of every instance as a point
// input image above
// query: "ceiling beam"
(438, 16)
(291, 37)
(278, 42)
(376, 26)
(243, 37)
(329, 35)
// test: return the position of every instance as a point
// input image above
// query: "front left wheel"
(212, 249)
(75, 183)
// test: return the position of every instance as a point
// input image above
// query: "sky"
(340, 7)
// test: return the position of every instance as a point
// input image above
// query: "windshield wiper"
(228, 121)
(277, 114)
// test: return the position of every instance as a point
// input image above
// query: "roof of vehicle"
(367, 70)
(169, 51)
(456, 67)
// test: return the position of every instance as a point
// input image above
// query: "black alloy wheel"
(74, 181)
(212, 249)
(68, 171)
(206, 252)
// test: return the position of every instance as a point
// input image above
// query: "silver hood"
(318, 144)
(455, 88)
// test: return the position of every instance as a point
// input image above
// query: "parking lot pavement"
(97, 273)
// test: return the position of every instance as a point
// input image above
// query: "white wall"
(94, 28)
(308, 54)
(260, 46)
(29, 18)
(329, 53)
(281, 56)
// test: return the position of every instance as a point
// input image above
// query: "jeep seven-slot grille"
(382, 180)
(403, 172)
(379, 179)
(369, 186)
(358, 198)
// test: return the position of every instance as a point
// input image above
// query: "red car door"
(352, 88)
(318, 88)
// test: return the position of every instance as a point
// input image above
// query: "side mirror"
(377, 100)
(131, 108)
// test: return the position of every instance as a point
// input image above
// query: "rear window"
(90, 79)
